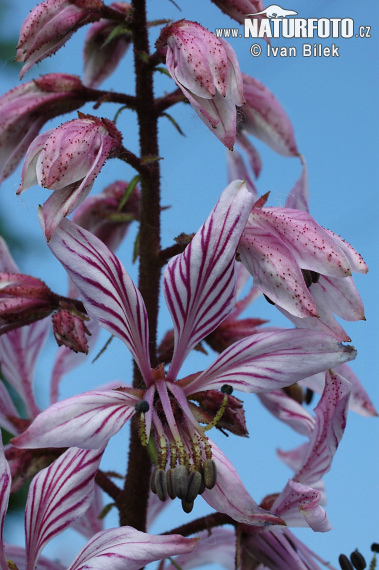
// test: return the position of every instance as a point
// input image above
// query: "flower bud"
(101, 216)
(49, 25)
(101, 54)
(206, 69)
(233, 418)
(26, 108)
(68, 159)
(23, 300)
(70, 330)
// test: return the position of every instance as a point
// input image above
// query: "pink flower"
(206, 70)
(68, 159)
(106, 217)
(287, 253)
(101, 55)
(58, 496)
(26, 108)
(49, 25)
(264, 117)
(238, 9)
(199, 287)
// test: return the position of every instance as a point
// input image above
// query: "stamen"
(225, 389)
(161, 484)
(344, 562)
(194, 486)
(171, 491)
(210, 473)
(187, 507)
(358, 560)
(180, 480)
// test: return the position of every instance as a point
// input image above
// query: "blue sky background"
(333, 106)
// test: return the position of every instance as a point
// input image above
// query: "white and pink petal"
(58, 496)
(108, 293)
(87, 421)
(199, 285)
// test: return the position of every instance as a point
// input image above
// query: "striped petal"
(268, 361)
(58, 496)
(299, 505)
(288, 411)
(7, 410)
(19, 350)
(18, 556)
(87, 421)
(231, 497)
(331, 415)
(5, 485)
(199, 285)
(109, 295)
(129, 549)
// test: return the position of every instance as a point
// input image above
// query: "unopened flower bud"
(206, 69)
(70, 330)
(23, 300)
(49, 25)
(26, 108)
(102, 54)
(210, 473)
(102, 216)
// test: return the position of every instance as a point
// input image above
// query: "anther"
(227, 389)
(171, 491)
(344, 562)
(358, 560)
(180, 481)
(161, 484)
(152, 481)
(142, 406)
(375, 547)
(210, 473)
(187, 507)
(194, 486)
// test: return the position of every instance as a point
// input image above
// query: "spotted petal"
(126, 548)
(5, 485)
(199, 285)
(58, 496)
(231, 497)
(267, 361)
(87, 421)
(108, 293)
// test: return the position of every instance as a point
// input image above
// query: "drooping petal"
(359, 401)
(298, 197)
(217, 547)
(108, 293)
(339, 296)
(87, 421)
(58, 496)
(231, 497)
(199, 285)
(272, 360)
(288, 411)
(19, 350)
(61, 203)
(126, 548)
(299, 505)
(331, 414)
(5, 485)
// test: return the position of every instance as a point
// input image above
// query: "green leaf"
(162, 70)
(174, 123)
(120, 30)
(128, 191)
